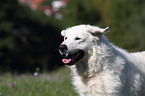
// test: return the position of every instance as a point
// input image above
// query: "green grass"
(56, 83)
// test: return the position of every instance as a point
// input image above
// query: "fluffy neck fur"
(100, 65)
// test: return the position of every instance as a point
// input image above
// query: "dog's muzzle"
(70, 59)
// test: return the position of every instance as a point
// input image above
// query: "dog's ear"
(63, 32)
(96, 31)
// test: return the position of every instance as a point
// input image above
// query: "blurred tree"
(28, 39)
(80, 12)
(125, 19)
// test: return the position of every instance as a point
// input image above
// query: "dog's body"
(98, 67)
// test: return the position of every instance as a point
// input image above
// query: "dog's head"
(79, 42)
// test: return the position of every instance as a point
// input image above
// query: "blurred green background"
(30, 29)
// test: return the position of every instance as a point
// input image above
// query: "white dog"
(98, 67)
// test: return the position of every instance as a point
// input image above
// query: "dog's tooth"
(66, 54)
(60, 52)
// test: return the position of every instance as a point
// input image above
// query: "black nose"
(62, 49)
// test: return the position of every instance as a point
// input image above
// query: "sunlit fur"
(105, 70)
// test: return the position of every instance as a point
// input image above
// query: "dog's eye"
(65, 38)
(77, 38)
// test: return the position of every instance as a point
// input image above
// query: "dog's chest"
(98, 85)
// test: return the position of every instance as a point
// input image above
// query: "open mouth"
(71, 59)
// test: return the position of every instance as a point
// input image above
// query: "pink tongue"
(66, 60)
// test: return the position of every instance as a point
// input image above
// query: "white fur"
(105, 70)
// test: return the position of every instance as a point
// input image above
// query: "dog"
(98, 67)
